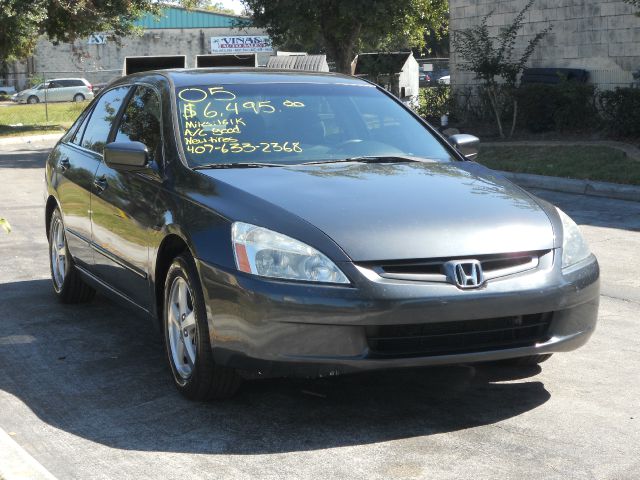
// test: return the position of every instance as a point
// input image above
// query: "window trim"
(70, 134)
(118, 121)
(93, 107)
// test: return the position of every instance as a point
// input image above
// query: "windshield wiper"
(373, 159)
(236, 165)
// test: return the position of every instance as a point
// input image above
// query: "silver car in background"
(57, 90)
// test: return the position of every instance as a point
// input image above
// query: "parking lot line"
(17, 464)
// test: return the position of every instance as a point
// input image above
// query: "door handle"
(100, 183)
(64, 164)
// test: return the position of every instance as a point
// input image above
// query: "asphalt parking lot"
(87, 392)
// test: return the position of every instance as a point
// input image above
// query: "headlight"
(574, 246)
(270, 254)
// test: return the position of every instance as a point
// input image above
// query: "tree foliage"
(216, 7)
(493, 60)
(340, 28)
(23, 21)
(635, 3)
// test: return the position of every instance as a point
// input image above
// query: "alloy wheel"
(58, 250)
(181, 327)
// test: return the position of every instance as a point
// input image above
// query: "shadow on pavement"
(29, 157)
(596, 211)
(99, 372)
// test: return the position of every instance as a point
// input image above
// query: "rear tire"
(186, 334)
(67, 282)
(525, 361)
(33, 100)
(78, 97)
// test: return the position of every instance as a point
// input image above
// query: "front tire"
(32, 100)
(67, 282)
(186, 334)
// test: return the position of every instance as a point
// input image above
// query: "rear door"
(122, 202)
(73, 88)
(41, 91)
(78, 161)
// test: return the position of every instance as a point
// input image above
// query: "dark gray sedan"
(290, 223)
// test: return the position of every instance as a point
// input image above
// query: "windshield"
(292, 123)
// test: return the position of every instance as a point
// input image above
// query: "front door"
(76, 168)
(122, 217)
(55, 92)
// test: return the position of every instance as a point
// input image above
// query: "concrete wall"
(101, 63)
(602, 36)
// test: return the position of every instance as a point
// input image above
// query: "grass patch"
(7, 131)
(32, 119)
(599, 163)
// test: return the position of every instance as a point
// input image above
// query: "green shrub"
(620, 110)
(537, 104)
(577, 108)
(567, 106)
(434, 102)
(35, 80)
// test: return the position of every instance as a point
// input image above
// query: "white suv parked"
(57, 90)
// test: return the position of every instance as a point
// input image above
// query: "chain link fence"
(47, 100)
(17, 81)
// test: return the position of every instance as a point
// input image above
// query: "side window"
(101, 120)
(141, 121)
(74, 134)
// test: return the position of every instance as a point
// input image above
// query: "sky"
(234, 5)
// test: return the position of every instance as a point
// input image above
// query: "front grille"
(467, 336)
(433, 270)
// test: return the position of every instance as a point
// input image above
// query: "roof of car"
(199, 76)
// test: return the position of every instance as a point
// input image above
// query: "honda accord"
(280, 223)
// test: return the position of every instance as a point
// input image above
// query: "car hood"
(396, 211)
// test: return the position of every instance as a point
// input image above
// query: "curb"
(580, 187)
(26, 139)
(17, 464)
(629, 149)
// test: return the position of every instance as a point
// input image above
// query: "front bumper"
(277, 328)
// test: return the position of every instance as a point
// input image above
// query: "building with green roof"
(178, 17)
(175, 31)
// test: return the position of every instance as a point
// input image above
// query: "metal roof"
(177, 17)
(314, 63)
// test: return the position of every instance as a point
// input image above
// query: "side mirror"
(126, 155)
(467, 145)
